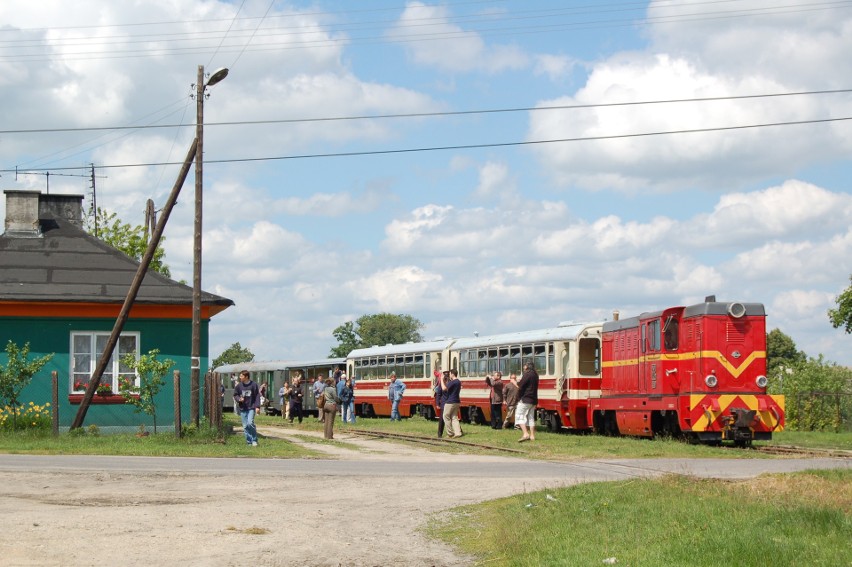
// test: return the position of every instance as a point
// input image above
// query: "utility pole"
(195, 365)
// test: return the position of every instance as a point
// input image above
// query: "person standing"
(510, 395)
(318, 388)
(396, 389)
(452, 403)
(296, 397)
(344, 393)
(282, 400)
(439, 399)
(495, 382)
(263, 397)
(247, 399)
(329, 408)
(527, 400)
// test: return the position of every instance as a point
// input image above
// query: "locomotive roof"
(562, 333)
(405, 348)
(278, 365)
(721, 308)
(706, 308)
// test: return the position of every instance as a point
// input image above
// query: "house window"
(86, 350)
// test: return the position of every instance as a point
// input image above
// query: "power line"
(429, 114)
(473, 146)
(286, 43)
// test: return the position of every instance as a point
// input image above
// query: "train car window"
(588, 357)
(551, 359)
(482, 363)
(515, 359)
(493, 360)
(670, 333)
(540, 358)
(428, 360)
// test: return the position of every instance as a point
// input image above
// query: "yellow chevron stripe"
(711, 354)
(750, 401)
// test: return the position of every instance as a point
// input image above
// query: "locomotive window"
(670, 333)
(653, 335)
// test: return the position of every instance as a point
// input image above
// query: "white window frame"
(78, 361)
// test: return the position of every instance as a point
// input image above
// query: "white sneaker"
(254, 443)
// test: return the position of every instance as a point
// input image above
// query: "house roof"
(66, 264)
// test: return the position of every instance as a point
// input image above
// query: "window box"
(98, 399)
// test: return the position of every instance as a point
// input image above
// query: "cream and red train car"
(413, 363)
(698, 371)
(567, 358)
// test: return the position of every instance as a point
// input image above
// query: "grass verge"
(796, 519)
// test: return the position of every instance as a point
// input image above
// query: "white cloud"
(495, 182)
(458, 51)
(554, 66)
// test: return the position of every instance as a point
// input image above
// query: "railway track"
(433, 441)
(803, 451)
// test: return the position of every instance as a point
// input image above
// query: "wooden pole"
(134, 289)
(178, 432)
(195, 366)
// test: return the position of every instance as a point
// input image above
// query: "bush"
(29, 417)
(819, 396)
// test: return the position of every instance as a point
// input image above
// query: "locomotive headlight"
(711, 381)
(761, 381)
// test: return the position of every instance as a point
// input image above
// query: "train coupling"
(739, 425)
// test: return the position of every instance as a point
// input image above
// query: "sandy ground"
(204, 518)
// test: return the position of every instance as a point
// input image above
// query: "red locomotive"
(699, 371)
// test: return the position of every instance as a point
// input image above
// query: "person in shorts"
(527, 400)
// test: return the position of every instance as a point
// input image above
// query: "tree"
(234, 354)
(347, 340)
(842, 316)
(150, 371)
(17, 375)
(379, 329)
(132, 240)
(781, 352)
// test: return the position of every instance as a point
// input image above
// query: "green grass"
(814, 439)
(548, 446)
(799, 519)
(160, 445)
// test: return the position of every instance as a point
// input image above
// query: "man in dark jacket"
(527, 400)
(247, 400)
(495, 382)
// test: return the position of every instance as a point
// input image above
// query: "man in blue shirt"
(396, 388)
(247, 400)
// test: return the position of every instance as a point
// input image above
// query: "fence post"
(178, 432)
(54, 378)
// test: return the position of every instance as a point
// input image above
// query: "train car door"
(651, 360)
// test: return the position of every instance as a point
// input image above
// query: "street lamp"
(195, 366)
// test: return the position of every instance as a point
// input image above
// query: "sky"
(482, 165)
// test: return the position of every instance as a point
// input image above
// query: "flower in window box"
(104, 389)
(80, 385)
(125, 383)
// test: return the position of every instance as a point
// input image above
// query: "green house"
(61, 291)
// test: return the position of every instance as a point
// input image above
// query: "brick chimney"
(24, 209)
